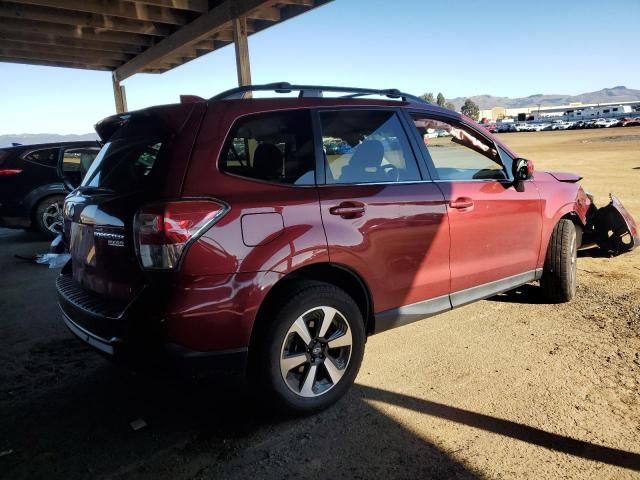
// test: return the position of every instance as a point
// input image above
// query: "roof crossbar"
(315, 91)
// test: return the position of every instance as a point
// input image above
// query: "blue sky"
(461, 48)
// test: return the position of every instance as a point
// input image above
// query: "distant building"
(598, 112)
(574, 111)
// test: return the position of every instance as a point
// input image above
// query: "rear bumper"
(124, 334)
(102, 344)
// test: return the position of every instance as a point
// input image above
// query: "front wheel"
(558, 280)
(312, 353)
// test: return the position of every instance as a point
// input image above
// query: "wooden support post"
(242, 51)
(119, 95)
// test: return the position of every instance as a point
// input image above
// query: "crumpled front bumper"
(611, 227)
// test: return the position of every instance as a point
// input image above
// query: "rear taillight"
(164, 231)
(9, 171)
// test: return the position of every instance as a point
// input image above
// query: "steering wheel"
(391, 172)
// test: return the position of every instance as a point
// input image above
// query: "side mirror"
(522, 170)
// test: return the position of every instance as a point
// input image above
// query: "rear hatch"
(141, 161)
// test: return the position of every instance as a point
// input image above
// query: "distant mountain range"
(33, 138)
(606, 95)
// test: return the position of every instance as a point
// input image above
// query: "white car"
(606, 122)
(562, 125)
(505, 127)
(538, 127)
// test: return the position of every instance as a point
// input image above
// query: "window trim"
(318, 149)
(244, 116)
(501, 152)
(320, 156)
(427, 156)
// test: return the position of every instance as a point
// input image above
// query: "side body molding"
(398, 317)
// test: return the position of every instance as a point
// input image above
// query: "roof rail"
(315, 91)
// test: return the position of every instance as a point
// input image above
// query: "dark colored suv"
(276, 234)
(34, 179)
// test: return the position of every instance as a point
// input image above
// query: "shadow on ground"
(66, 413)
(215, 429)
(528, 293)
(593, 252)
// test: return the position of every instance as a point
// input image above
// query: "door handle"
(348, 210)
(461, 203)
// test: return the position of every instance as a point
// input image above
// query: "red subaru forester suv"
(273, 235)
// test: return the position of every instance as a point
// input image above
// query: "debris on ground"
(54, 260)
(138, 424)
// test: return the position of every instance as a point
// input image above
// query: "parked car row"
(504, 127)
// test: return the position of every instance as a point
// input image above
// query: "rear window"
(46, 158)
(127, 162)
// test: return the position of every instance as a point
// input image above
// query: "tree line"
(470, 108)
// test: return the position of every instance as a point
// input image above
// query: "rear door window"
(274, 147)
(46, 158)
(128, 160)
(364, 146)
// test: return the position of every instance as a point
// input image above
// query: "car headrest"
(368, 154)
(267, 161)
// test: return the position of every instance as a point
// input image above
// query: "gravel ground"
(504, 388)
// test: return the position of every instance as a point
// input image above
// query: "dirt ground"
(508, 387)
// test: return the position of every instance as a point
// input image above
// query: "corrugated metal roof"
(130, 36)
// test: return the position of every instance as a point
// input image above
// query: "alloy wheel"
(52, 217)
(316, 351)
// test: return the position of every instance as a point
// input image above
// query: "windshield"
(126, 162)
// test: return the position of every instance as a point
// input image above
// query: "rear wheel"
(48, 215)
(558, 280)
(311, 354)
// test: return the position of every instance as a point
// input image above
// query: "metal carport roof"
(135, 36)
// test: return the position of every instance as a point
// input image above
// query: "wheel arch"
(36, 196)
(577, 222)
(335, 274)
(567, 211)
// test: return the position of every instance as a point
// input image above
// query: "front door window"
(459, 153)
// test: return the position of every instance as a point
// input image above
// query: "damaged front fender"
(611, 227)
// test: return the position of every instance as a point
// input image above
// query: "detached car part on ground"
(233, 234)
(612, 228)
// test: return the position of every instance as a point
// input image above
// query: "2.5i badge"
(113, 239)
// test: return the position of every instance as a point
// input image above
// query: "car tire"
(558, 280)
(47, 216)
(292, 363)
